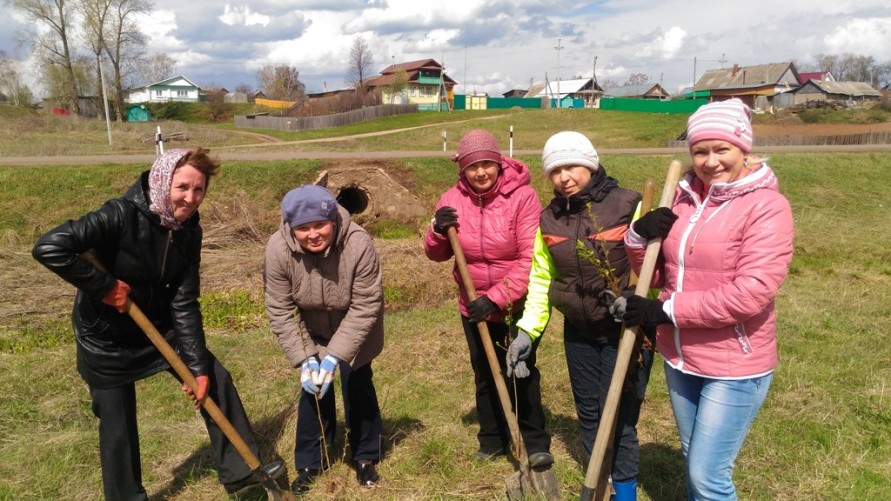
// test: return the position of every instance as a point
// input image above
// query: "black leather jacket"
(160, 266)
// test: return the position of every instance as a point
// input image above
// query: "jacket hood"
(342, 228)
(762, 178)
(514, 174)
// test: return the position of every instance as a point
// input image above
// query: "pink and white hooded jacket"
(496, 230)
(720, 269)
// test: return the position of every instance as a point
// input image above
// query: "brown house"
(749, 83)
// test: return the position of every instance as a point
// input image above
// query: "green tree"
(397, 87)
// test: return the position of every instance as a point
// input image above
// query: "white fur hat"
(569, 148)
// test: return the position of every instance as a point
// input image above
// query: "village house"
(641, 91)
(178, 88)
(761, 86)
(427, 85)
(575, 93)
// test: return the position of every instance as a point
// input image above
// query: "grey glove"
(617, 309)
(517, 353)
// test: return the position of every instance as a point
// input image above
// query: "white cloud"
(869, 37)
(507, 42)
(242, 16)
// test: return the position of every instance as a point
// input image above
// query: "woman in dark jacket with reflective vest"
(588, 207)
(149, 240)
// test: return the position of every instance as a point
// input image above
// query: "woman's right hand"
(117, 297)
(444, 218)
(309, 373)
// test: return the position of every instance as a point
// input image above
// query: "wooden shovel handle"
(646, 203)
(623, 356)
(497, 375)
(184, 373)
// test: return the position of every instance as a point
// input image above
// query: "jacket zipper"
(163, 266)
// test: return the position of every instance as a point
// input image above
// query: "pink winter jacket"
(496, 230)
(721, 268)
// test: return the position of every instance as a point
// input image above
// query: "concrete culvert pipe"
(353, 198)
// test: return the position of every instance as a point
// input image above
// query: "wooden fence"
(322, 122)
(865, 138)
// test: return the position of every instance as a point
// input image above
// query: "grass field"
(824, 432)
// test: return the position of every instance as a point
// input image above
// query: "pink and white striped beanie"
(729, 121)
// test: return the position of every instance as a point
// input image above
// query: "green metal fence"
(685, 106)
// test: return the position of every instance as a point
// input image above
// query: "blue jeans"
(713, 418)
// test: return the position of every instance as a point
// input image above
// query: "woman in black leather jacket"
(149, 240)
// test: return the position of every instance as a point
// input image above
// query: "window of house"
(157, 92)
(182, 93)
(414, 91)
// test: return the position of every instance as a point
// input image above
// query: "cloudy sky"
(498, 45)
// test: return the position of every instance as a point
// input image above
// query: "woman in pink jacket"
(726, 250)
(495, 212)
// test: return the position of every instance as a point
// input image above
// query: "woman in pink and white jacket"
(726, 251)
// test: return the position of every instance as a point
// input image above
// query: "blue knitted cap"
(307, 204)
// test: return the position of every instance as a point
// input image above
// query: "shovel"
(527, 481)
(276, 492)
(592, 488)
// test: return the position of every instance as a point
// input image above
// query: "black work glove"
(480, 308)
(444, 218)
(655, 224)
(643, 311)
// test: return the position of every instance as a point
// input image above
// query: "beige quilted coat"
(331, 302)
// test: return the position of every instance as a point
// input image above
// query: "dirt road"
(233, 153)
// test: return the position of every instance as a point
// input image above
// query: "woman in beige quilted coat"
(325, 305)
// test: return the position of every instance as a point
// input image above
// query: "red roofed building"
(825, 76)
(425, 84)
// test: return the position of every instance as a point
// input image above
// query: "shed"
(138, 113)
(822, 90)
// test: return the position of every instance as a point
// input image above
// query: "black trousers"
(119, 435)
(494, 433)
(364, 424)
(591, 363)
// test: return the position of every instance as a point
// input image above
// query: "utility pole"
(722, 61)
(694, 76)
(558, 49)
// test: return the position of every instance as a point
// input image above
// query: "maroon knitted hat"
(475, 146)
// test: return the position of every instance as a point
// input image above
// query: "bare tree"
(637, 79)
(94, 14)
(157, 67)
(281, 82)
(215, 105)
(123, 42)
(609, 83)
(361, 59)
(54, 45)
(243, 87)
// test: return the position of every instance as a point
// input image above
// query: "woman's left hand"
(643, 311)
(203, 385)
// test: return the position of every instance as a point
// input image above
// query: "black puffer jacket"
(599, 216)
(161, 267)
